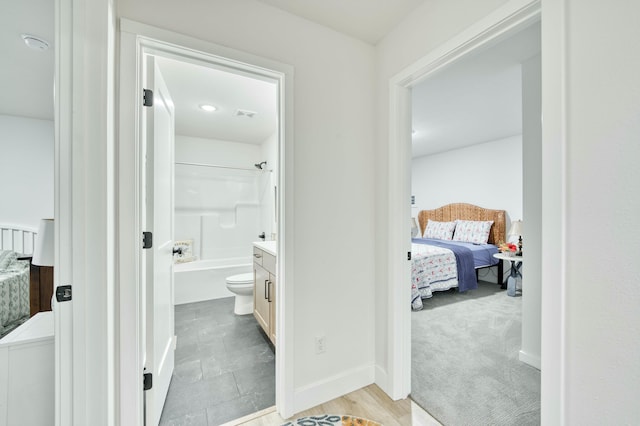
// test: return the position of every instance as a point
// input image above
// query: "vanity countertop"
(268, 246)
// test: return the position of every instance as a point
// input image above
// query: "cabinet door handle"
(269, 291)
(266, 294)
(257, 255)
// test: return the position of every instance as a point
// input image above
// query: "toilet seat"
(246, 278)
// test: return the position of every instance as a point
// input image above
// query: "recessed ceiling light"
(208, 108)
(35, 43)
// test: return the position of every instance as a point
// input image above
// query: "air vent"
(245, 113)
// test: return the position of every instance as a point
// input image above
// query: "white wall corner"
(529, 358)
(332, 387)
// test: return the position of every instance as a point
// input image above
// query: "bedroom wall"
(488, 175)
(333, 196)
(424, 29)
(26, 170)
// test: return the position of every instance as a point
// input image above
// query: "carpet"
(465, 366)
(331, 420)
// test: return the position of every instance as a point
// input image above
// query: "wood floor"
(369, 402)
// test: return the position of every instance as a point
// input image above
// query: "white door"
(158, 216)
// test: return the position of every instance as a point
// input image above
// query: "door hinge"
(408, 255)
(147, 97)
(63, 293)
(147, 381)
(147, 240)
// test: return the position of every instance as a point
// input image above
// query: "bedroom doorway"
(464, 46)
(452, 316)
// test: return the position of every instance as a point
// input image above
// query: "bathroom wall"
(268, 193)
(218, 208)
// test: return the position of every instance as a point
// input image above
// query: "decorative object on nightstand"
(41, 277)
(516, 264)
(516, 229)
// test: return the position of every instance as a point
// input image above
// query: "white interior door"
(159, 327)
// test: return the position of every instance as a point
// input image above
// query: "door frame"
(137, 39)
(500, 24)
(84, 198)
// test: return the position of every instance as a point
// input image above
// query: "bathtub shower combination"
(222, 210)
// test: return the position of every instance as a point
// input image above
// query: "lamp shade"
(43, 252)
(516, 228)
(414, 227)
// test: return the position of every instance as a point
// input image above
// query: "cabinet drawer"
(258, 255)
(269, 262)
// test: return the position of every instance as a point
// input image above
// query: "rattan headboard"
(464, 211)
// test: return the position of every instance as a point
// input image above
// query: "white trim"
(501, 23)
(531, 359)
(554, 212)
(84, 202)
(382, 379)
(341, 384)
(136, 38)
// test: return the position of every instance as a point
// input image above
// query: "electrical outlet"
(321, 345)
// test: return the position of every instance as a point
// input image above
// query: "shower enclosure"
(221, 210)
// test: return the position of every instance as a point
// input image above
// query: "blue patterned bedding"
(14, 291)
(440, 265)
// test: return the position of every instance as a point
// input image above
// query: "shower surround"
(222, 203)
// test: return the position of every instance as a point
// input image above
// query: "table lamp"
(43, 251)
(414, 227)
(516, 229)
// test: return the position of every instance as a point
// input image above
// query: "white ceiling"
(193, 85)
(26, 75)
(473, 101)
(477, 99)
(367, 20)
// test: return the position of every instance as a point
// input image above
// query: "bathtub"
(205, 279)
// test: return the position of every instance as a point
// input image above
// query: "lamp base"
(519, 252)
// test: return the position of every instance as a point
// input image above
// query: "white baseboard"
(532, 360)
(332, 387)
(382, 379)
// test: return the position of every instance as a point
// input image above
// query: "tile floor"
(224, 367)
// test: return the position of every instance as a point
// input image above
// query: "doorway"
(224, 173)
(167, 46)
(468, 147)
(475, 38)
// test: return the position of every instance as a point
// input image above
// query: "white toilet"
(242, 286)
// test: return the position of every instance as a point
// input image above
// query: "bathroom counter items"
(268, 246)
(264, 287)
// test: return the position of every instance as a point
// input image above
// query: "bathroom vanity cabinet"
(264, 290)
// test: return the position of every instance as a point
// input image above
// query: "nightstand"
(516, 264)
(40, 288)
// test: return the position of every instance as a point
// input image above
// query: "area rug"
(331, 420)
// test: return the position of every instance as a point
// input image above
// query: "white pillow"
(472, 231)
(439, 230)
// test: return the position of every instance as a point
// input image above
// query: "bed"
(440, 262)
(15, 242)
